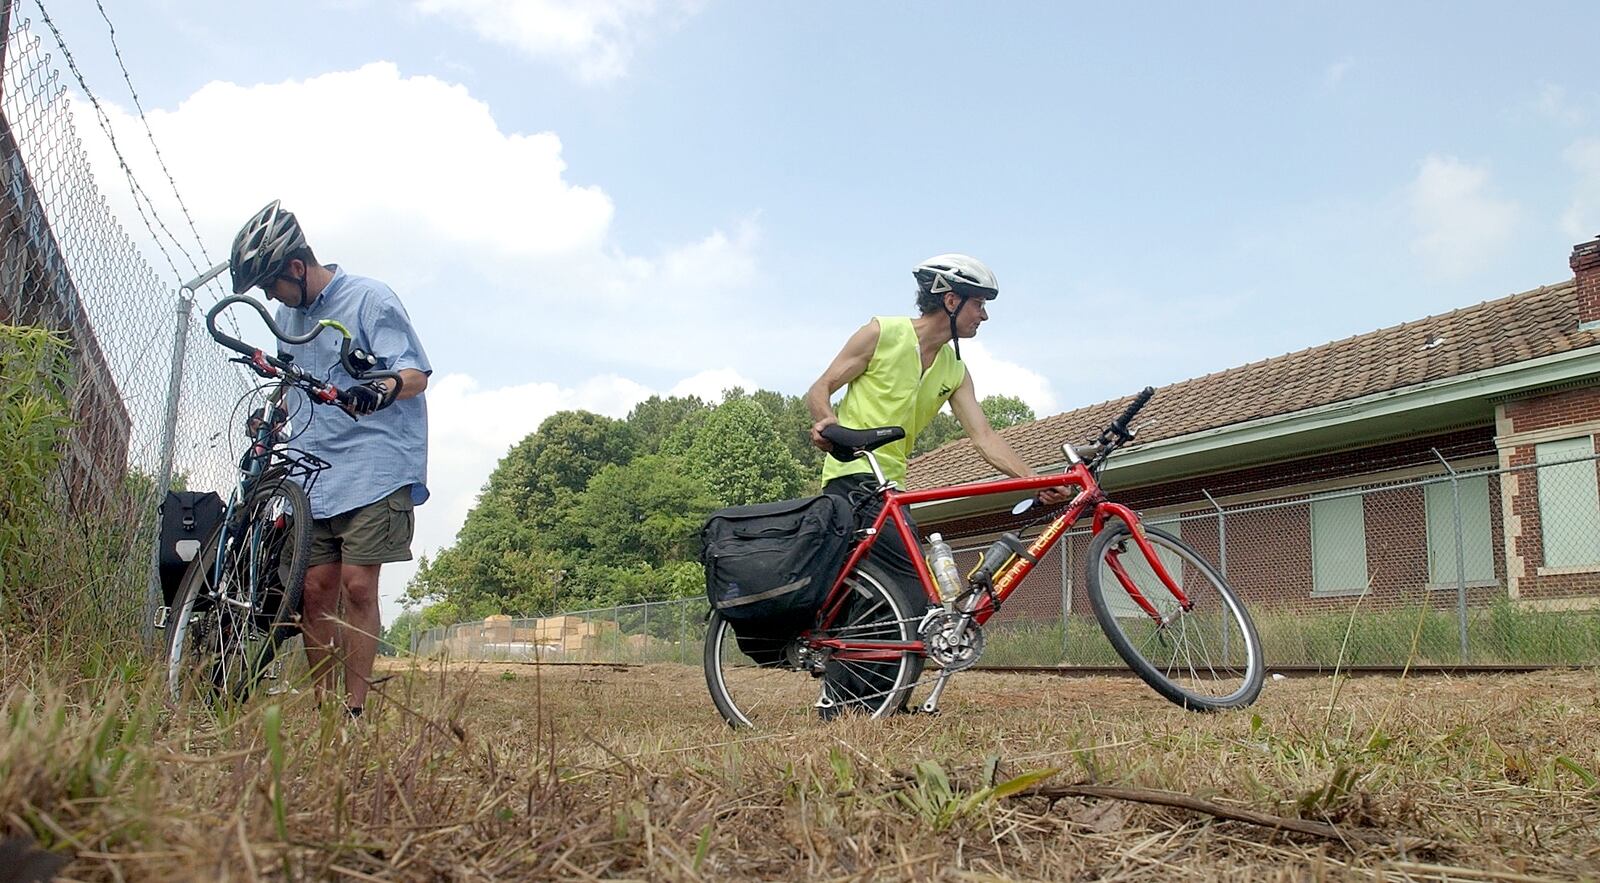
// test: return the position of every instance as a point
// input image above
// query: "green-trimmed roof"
(1490, 335)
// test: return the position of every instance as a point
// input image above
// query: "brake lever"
(254, 366)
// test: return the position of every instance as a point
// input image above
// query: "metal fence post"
(1066, 597)
(1461, 556)
(169, 428)
(1222, 562)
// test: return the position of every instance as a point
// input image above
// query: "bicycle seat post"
(877, 471)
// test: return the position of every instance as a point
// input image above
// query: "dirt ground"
(1436, 778)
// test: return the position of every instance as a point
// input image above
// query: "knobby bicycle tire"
(1205, 659)
(223, 649)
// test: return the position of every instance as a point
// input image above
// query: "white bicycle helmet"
(965, 276)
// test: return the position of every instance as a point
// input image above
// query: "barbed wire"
(134, 186)
(137, 189)
(139, 106)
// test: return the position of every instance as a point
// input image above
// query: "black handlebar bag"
(769, 566)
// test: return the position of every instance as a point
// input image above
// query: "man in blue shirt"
(362, 505)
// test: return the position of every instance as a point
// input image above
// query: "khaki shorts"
(377, 533)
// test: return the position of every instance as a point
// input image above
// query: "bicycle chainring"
(938, 632)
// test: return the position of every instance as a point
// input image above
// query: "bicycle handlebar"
(1120, 425)
(358, 364)
(1118, 434)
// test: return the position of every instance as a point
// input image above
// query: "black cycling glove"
(368, 397)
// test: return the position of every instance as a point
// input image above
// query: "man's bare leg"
(318, 610)
(358, 639)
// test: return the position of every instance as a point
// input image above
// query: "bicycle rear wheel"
(240, 597)
(777, 683)
(1206, 658)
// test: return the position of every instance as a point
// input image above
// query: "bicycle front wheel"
(780, 682)
(1206, 658)
(240, 597)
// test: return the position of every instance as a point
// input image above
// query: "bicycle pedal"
(161, 617)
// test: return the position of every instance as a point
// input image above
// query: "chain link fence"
(1484, 566)
(151, 396)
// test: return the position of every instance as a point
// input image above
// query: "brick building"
(36, 289)
(1495, 389)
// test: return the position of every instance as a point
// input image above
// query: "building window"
(1118, 601)
(1338, 546)
(1569, 503)
(1477, 541)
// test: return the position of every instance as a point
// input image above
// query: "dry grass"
(523, 772)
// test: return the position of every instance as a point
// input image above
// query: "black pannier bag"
(770, 565)
(188, 518)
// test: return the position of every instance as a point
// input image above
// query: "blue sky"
(584, 203)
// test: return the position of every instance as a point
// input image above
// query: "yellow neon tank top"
(895, 391)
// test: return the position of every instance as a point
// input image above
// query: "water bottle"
(943, 562)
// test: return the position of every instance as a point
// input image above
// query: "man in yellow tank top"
(901, 371)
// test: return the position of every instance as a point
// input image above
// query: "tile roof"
(1491, 334)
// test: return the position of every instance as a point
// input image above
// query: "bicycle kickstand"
(931, 704)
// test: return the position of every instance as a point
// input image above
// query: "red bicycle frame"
(1006, 581)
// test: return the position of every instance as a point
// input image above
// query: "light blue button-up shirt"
(382, 452)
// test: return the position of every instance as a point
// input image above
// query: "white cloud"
(1459, 225)
(1334, 74)
(1581, 220)
(406, 164)
(409, 179)
(1554, 103)
(595, 38)
(710, 385)
(995, 376)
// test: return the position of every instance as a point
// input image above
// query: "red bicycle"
(1166, 610)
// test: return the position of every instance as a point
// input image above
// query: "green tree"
(791, 419)
(648, 511)
(1004, 411)
(397, 637)
(607, 586)
(941, 429)
(567, 451)
(513, 547)
(654, 419)
(740, 457)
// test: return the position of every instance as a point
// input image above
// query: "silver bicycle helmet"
(263, 247)
(965, 276)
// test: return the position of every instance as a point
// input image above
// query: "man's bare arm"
(993, 448)
(415, 383)
(850, 363)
